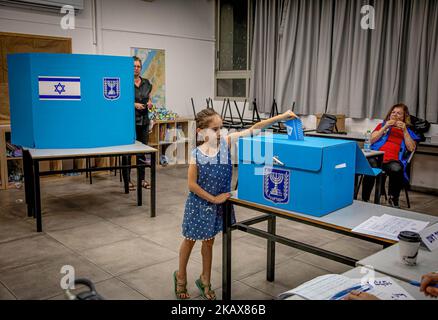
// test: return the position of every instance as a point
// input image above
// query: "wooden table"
(32, 157)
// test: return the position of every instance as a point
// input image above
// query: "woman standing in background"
(142, 102)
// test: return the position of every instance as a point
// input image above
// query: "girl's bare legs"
(207, 259)
(184, 255)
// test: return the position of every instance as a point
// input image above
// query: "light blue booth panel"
(314, 176)
(71, 100)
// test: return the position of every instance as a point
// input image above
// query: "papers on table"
(430, 237)
(325, 287)
(321, 288)
(388, 227)
(386, 288)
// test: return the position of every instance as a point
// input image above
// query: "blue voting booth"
(71, 100)
(313, 176)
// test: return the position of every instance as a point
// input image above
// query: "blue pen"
(418, 284)
(343, 293)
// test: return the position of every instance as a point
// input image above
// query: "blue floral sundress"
(203, 219)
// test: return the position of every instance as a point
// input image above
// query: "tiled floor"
(101, 232)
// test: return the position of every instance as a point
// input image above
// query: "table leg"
(119, 162)
(356, 187)
(139, 182)
(28, 182)
(153, 184)
(270, 268)
(378, 186)
(377, 189)
(125, 173)
(37, 193)
(226, 253)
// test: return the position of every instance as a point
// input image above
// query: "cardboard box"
(340, 121)
(314, 176)
(71, 100)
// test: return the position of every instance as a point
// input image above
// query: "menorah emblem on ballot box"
(276, 178)
(111, 88)
(276, 185)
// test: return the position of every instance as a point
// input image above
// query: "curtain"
(264, 50)
(327, 63)
(303, 66)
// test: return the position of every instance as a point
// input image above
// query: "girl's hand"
(221, 198)
(288, 115)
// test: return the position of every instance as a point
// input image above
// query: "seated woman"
(397, 140)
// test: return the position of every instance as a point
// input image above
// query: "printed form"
(388, 226)
(325, 287)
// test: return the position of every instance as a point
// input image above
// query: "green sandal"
(179, 293)
(202, 287)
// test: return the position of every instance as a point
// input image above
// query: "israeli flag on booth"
(59, 88)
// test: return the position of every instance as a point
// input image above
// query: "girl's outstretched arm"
(260, 125)
(196, 189)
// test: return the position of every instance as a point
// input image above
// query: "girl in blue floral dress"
(209, 181)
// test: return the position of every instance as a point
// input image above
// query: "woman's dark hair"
(137, 59)
(203, 119)
(406, 116)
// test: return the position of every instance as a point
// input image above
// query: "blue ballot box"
(314, 176)
(71, 100)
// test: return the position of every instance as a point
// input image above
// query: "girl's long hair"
(203, 119)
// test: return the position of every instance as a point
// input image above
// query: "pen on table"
(343, 293)
(418, 284)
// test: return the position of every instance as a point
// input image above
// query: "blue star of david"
(59, 88)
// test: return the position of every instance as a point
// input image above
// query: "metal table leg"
(270, 263)
(153, 184)
(28, 182)
(378, 185)
(37, 194)
(139, 182)
(226, 253)
(125, 173)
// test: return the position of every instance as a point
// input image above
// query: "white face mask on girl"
(209, 135)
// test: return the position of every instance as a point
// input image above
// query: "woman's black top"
(142, 93)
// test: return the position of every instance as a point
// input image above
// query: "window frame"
(231, 74)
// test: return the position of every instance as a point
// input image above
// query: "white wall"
(47, 23)
(185, 29)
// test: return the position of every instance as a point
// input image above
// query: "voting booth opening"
(71, 100)
(313, 176)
